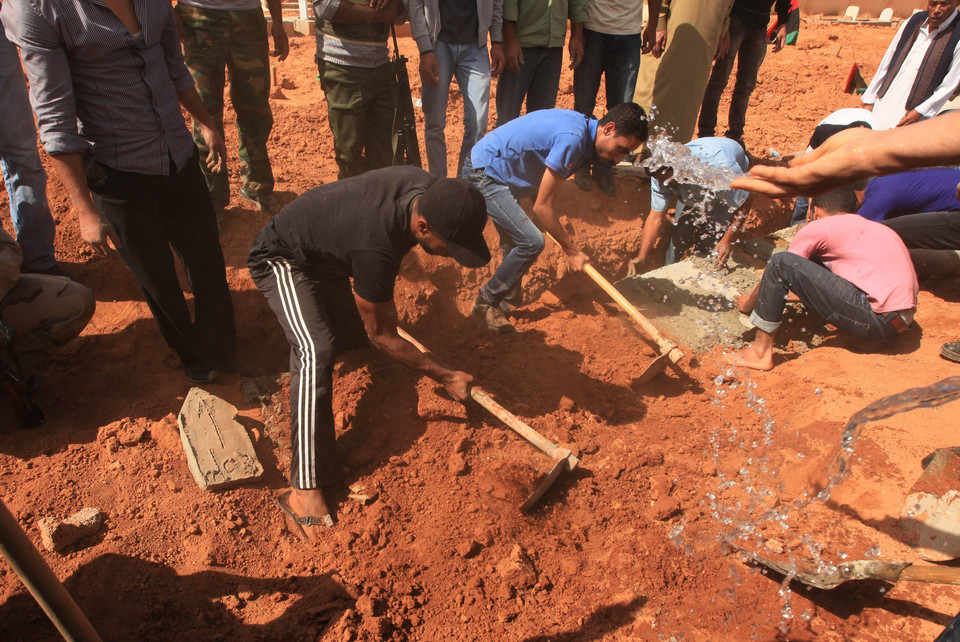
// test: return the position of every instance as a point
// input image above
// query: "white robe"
(888, 111)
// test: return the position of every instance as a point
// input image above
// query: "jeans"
(800, 209)
(699, 229)
(23, 174)
(837, 300)
(538, 82)
(617, 59)
(471, 67)
(749, 46)
(520, 240)
(929, 231)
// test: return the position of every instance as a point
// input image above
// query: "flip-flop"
(951, 351)
(283, 501)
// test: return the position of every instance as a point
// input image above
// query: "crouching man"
(303, 260)
(533, 156)
(38, 312)
(855, 273)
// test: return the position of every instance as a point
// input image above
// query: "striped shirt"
(354, 45)
(96, 86)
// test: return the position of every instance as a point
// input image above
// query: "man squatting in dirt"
(132, 171)
(303, 260)
(533, 155)
(37, 311)
(853, 272)
(705, 222)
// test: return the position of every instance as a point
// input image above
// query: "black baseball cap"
(457, 213)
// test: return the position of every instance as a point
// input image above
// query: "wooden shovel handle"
(512, 421)
(933, 574)
(666, 346)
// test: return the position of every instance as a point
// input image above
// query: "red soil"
(440, 555)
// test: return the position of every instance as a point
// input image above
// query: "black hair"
(841, 200)
(629, 119)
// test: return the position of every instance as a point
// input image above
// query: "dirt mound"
(624, 548)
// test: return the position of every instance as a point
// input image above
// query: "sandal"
(951, 351)
(283, 501)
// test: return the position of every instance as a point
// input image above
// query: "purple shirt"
(924, 190)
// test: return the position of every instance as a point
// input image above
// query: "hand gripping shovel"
(669, 352)
(564, 460)
(827, 577)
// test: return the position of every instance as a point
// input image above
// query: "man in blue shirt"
(923, 190)
(533, 155)
(706, 219)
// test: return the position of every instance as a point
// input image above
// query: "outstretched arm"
(543, 208)
(858, 153)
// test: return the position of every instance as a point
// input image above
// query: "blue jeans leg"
(521, 240)
(621, 66)
(435, 110)
(473, 78)
(23, 174)
(586, 77)
(471, 67)
(538, 82)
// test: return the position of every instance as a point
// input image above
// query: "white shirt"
(888, 111)
(615, 17)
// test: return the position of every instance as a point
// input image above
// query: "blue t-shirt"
(923, 190)
(517, 153)
(713, 152)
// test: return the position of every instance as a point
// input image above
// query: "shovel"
(669, 352)
(564, 460)
(827, 577)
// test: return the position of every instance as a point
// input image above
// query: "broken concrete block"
(930, 517)
(251, 394)
(56, 536)
(219, 451)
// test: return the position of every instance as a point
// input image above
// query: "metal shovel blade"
(560, 467)
(827, 576)
(654, 368)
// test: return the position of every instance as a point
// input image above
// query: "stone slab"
(930, 517)
(219, 451)
(692, 303)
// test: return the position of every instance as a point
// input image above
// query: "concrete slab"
(692, 303)
(219, 451)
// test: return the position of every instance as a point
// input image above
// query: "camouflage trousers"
(46, 312)
(235, 40)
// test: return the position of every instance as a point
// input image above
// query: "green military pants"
(237, 40)
(361, 103)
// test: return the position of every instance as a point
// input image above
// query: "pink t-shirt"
(870, 255)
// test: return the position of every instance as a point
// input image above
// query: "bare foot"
(750, 358)
(309, 503)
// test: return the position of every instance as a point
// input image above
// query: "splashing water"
(666, 152)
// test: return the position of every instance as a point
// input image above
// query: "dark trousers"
(538, 82)
(320, 319)
(837, 300)
(748, 46)
(361, 104)
(698, 228)
(617, 59)
(929, 231)
(151, 214)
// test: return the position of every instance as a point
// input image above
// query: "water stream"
(744, 520)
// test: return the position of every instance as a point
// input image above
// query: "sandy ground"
(627, 547)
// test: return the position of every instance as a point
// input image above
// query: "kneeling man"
(855, 273)
(303, 261)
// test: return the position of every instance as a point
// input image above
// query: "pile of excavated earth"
(430, 543)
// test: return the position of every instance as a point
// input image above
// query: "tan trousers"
(674, 83)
